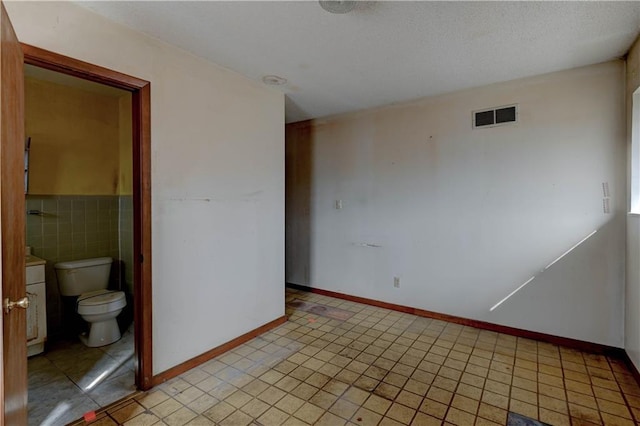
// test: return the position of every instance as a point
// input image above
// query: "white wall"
(464, 216)
(217, 176)
(632, 294)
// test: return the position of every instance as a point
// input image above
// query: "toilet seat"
(100, 302)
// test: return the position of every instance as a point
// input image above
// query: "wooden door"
(13, 408)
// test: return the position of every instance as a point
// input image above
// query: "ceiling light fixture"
(274, 80)
(335, 6)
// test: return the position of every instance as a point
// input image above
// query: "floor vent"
(495, 116)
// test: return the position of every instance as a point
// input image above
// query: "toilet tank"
(81, 276)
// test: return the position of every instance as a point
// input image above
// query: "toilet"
(88, 280)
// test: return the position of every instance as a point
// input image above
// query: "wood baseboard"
(534, 335)
(210, 354)
(631, 366)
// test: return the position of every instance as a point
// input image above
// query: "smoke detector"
(335, 6)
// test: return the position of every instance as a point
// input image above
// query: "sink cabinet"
(37, 310)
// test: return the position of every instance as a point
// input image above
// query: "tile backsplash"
(78, 227)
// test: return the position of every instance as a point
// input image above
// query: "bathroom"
(78, 181)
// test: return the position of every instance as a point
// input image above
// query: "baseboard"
(210, 354)
(631, 366)
(534, 335)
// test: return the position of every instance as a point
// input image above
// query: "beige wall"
(75, 140)
(217, 160)
(463, 217)
(632, 293)
(125, 145)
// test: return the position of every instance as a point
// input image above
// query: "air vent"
(495, 116)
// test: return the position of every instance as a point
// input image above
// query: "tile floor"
(70, 379)
(381, 367)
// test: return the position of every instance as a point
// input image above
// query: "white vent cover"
(495, 116)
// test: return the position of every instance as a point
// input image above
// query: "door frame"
(141, 115)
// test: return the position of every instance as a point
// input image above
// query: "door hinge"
(141, 258)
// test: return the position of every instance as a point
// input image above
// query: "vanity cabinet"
(37, 310)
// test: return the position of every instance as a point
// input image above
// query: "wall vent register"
(495, 116)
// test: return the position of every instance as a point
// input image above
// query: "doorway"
(140, 197)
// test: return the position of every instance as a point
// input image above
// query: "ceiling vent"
(495, 116)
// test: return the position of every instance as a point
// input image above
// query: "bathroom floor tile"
(70, 379)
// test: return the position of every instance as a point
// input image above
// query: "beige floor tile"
(335, 387)
(608, 395)
(458, 417)
(387, 391)
(180, 417)
(529, 410)
(144, 419)
(317, 380)
(386, 421)
(292, 421)
(309, 413)
(495, 399)
(525, 373)
(366, 417)
(473, 380)
(238, 399)
(552, 391)
(377, 404)
(583, 413)
(165, 408)
(273, 416)
(613, 408)
(490, 412)
(344, 408)
(524, 395)
(604, 383)
(255, 408)
(287, 383)
(255, 387)
(553, 417)
(400, 413)
(484, 422)
(152, 398)
(465, 404)
(611, 420)
(271, 395)
(127, 412)
(581, 399)
(218, 412)
(434, 408)
(329, 419)
(408, 399)
(289, 404)
(238, 418)
(422, 419)
(440, 395)
(387, 368)
(497, 387)
(201, 421)
(323, 399)
(553, 404)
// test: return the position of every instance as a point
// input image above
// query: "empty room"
(320, 213)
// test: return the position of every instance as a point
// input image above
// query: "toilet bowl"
(88, 280)
(100, 309)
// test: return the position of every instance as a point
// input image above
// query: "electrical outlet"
(396, 282)
(338, 205)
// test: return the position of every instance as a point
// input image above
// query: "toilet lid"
(100, 297)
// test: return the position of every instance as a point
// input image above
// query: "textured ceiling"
(385, 52)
